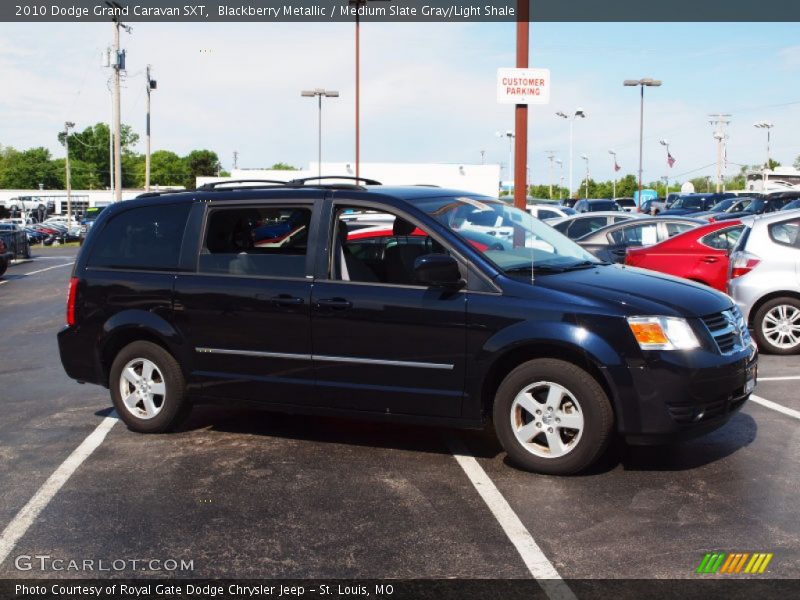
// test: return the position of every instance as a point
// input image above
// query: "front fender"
(563, 339)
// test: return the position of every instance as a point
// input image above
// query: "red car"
(700, 254)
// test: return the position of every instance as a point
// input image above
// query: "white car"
(545, 212)
(25, 203)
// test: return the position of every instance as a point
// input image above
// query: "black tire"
(173, 405)
(3, 266)
(593, 406)
(27, 252)
(764, 342)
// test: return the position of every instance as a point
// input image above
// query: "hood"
(635, 291)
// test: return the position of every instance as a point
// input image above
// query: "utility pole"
(67, 126)
(641, 83)
(665, 179)
(550, 157)
(483, 157)
(235, 159)
(150, 85)
(720, 122)
(118, 58)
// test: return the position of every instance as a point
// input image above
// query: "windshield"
(723, 205)
(688, 202)
(524, 244)
(756, 206)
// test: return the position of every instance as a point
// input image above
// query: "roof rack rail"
(426, 185)
(150, 194)
(303, 180)
(209, 187)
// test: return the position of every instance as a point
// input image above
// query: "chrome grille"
(728, 330)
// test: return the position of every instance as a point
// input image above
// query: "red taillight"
(742, 263)
(73, 285)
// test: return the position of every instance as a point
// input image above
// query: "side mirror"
(438, 270)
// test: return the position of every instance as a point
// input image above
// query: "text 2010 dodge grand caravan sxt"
(408, 303)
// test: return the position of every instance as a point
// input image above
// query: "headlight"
(663, 333)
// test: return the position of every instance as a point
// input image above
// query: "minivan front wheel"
(552, 417)
(777, 326)
(147, 387)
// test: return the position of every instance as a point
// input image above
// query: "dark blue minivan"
(395, 303)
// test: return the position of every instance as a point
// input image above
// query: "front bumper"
(677, 396)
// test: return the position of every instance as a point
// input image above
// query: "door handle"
(286, 300)
(334, 303)
(709, 259)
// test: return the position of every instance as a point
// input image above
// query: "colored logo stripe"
(720, 562)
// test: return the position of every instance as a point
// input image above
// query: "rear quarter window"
(786, 233)
(146, 238)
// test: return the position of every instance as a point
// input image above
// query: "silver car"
(764, 280)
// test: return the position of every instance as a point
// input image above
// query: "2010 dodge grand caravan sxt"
(396, 303)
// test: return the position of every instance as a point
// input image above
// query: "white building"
(477, 179)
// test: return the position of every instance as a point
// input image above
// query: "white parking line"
(787, 378)
(538, 565)
(775, 406)
(39, 271)
(27, 515)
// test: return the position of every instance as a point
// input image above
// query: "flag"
(670, 160)
(616, 166)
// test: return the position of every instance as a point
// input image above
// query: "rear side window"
(147, 238)
(786, 233)
(262, 241)
(640, 235)
(676, 228)
(724, 239)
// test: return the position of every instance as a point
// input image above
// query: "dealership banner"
(397, 10)
(395, 589)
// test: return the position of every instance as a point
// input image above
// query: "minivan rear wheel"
(776, 326)
(148, 388)
(552, 417)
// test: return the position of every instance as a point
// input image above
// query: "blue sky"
(428, 90)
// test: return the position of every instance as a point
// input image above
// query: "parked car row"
(747, 246)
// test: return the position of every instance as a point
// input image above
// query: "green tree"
(200, 163)
(166, 168)
(282, 166)
(28, 169)
(92, 146)
(83, 175)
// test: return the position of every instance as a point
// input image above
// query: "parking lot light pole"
(560, 164)
(582, 115)
(766, 125)
(586, 159)
(642, 83)
(510, 135)
(67, 126)
(319, 93)
(614, 178)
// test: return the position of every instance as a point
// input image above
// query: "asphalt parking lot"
(245, 493)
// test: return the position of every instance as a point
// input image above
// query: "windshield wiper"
(536, 268)
(584, 264)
